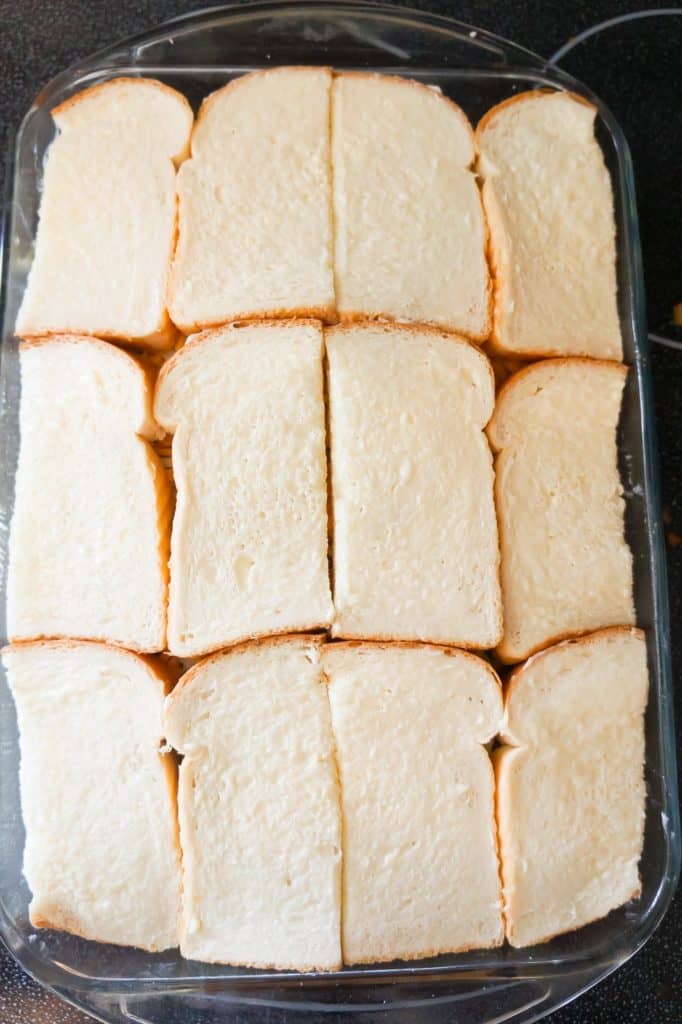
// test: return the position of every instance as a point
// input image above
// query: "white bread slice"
(98, 799)
(414, 530)
(570, 792)
(420, 870)
(566, 567)
(410, 236)
(549, 206)
(249, 543)
(258, 800)
(107, 216)
(88, 546)
(255, 234)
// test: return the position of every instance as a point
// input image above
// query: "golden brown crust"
(234, 84)
(163, 338)
(65, 922)
(410, 327)
(521, 97)
(539, 367)
(194, 340)
(153, 664)
(584, 639)
(351, 317)
(387, 644)
(326, 314)
(493, 214)
(131, 359)
(378, 639)
(242, 647)
(113, 83)
(433, 91)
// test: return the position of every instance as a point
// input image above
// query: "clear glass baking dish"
(197, 54)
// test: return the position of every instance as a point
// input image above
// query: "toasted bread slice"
(420, 874)
(97, 796)
(566, 567)
(255, 235)
(259, 808)
(88, 545)
(549, 206)
(106, 231)
(410, 236)
(414, 531)
(570, 792)
(249, 541)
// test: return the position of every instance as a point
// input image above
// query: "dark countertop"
(637, 70)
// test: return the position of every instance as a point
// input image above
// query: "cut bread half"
(566, 567)
(98, 798)
(414, 530)
(259, 808)
(255, 237)
(420, 870)
(570, 791)
(106, 228)
(88, 547)
(249, 543)
(410, 236)
(549, 206)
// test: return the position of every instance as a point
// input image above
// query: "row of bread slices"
(336, 802)
(415, 498)
(279, 216)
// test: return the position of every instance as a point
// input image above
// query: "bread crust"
(502, 650)
(351, 318)
(164, 333)
(492, 214)
(239, 647)
(387, 644)
(585, 639)
(412, 83)
(112, 83)
(539, 367)
(234, 83)
(153, 664)
(503, 757)
(147, 431)
(450, 337)
(150, 430)
(389, 326)
(522, 97)
(159, 674)
(208, 333)
(66, 923)
(321, 314)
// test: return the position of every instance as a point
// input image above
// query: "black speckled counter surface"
(637, 70)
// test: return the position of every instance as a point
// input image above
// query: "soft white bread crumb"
(566, 567)
(570, 793)
(249, 541)
(98, 799)
(420, 873)
(255, 235)
(414, 530)
(410, 236)
(107, 216)
(549, 206)
(259, 808)
(88, 545)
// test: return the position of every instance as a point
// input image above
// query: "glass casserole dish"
(197, 54)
